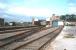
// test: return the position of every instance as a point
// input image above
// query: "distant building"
(20, 24)
(12, 23)
(42, 22)
(35, 21)
(73, 23)
(56, 21)
(27, 24)
(1, 22)
(48, 22)
(54, 17)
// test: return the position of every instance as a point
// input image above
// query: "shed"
(55, 23)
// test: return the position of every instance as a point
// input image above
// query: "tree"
(62, 17)
(68, 17)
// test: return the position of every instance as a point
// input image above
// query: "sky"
(72, 6)
(36, 8)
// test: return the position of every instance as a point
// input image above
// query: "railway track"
(8, 38)
(39, 43)
(35, 41)
(55, 34)
(15, 29)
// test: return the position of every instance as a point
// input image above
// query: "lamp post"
(33, 20)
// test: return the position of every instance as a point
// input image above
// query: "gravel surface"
(61, 43)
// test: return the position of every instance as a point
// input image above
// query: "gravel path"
(62, 43)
